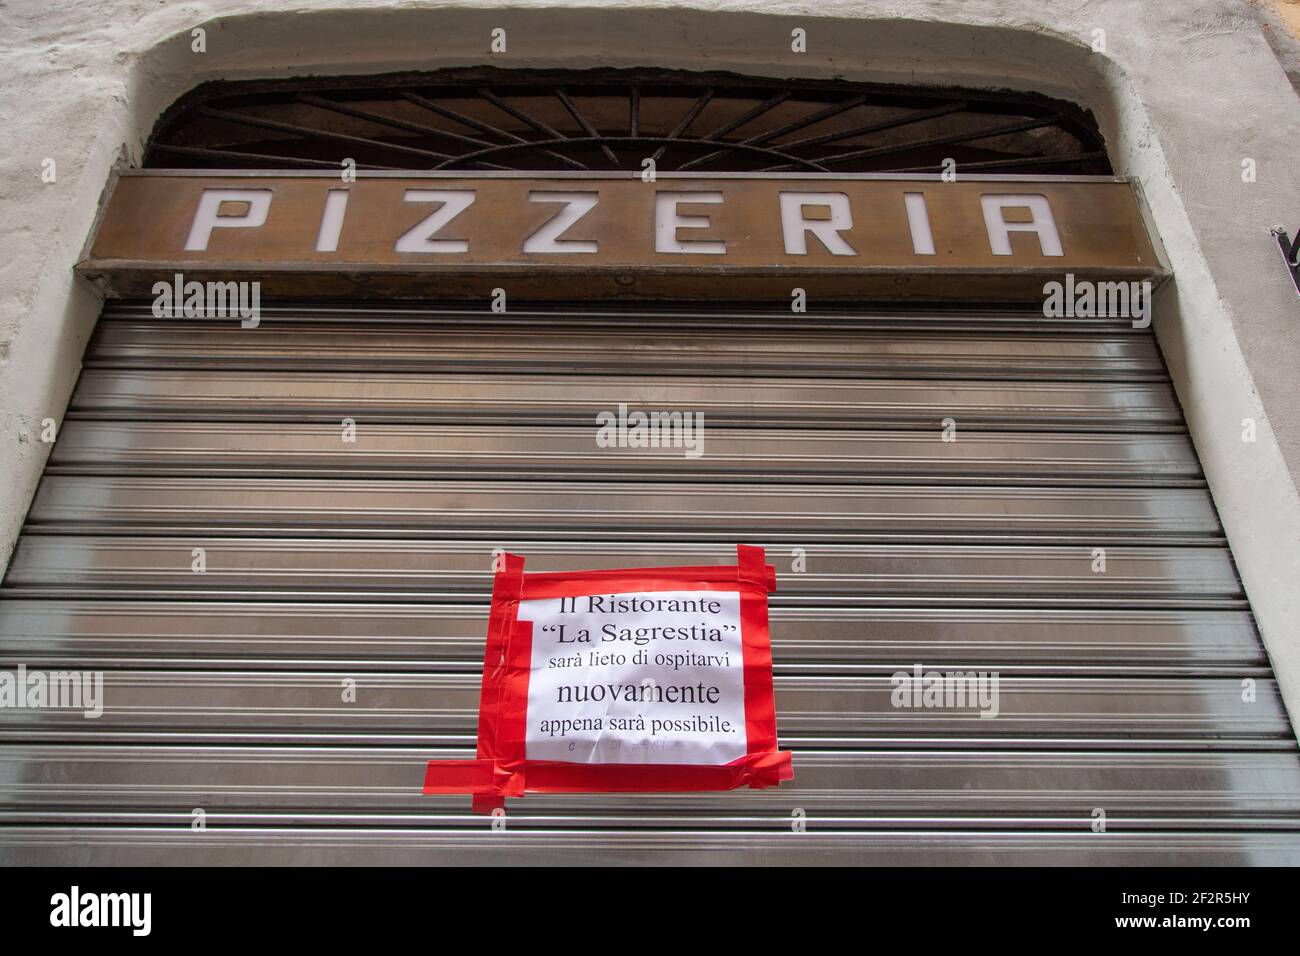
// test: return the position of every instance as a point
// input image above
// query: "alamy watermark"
(25, 689)
(653, 429)
(76, 909)
(956, 690)
(1086, 299)
(179, 299)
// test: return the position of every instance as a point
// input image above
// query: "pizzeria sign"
(558, 236)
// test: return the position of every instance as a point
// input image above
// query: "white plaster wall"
(1184, 92)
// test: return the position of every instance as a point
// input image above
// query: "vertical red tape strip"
(481, 776)
(756, 580)
(506, 587)
(512, 711)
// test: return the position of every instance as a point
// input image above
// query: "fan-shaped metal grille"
(538, 120)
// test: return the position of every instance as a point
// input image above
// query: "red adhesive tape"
(502, 767)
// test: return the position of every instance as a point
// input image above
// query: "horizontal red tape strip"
(476, 776)
(459, 776)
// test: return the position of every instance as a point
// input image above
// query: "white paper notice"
(637, 677)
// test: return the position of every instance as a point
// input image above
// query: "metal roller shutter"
(1120, 690)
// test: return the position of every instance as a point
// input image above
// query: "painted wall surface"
(1185, 93)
